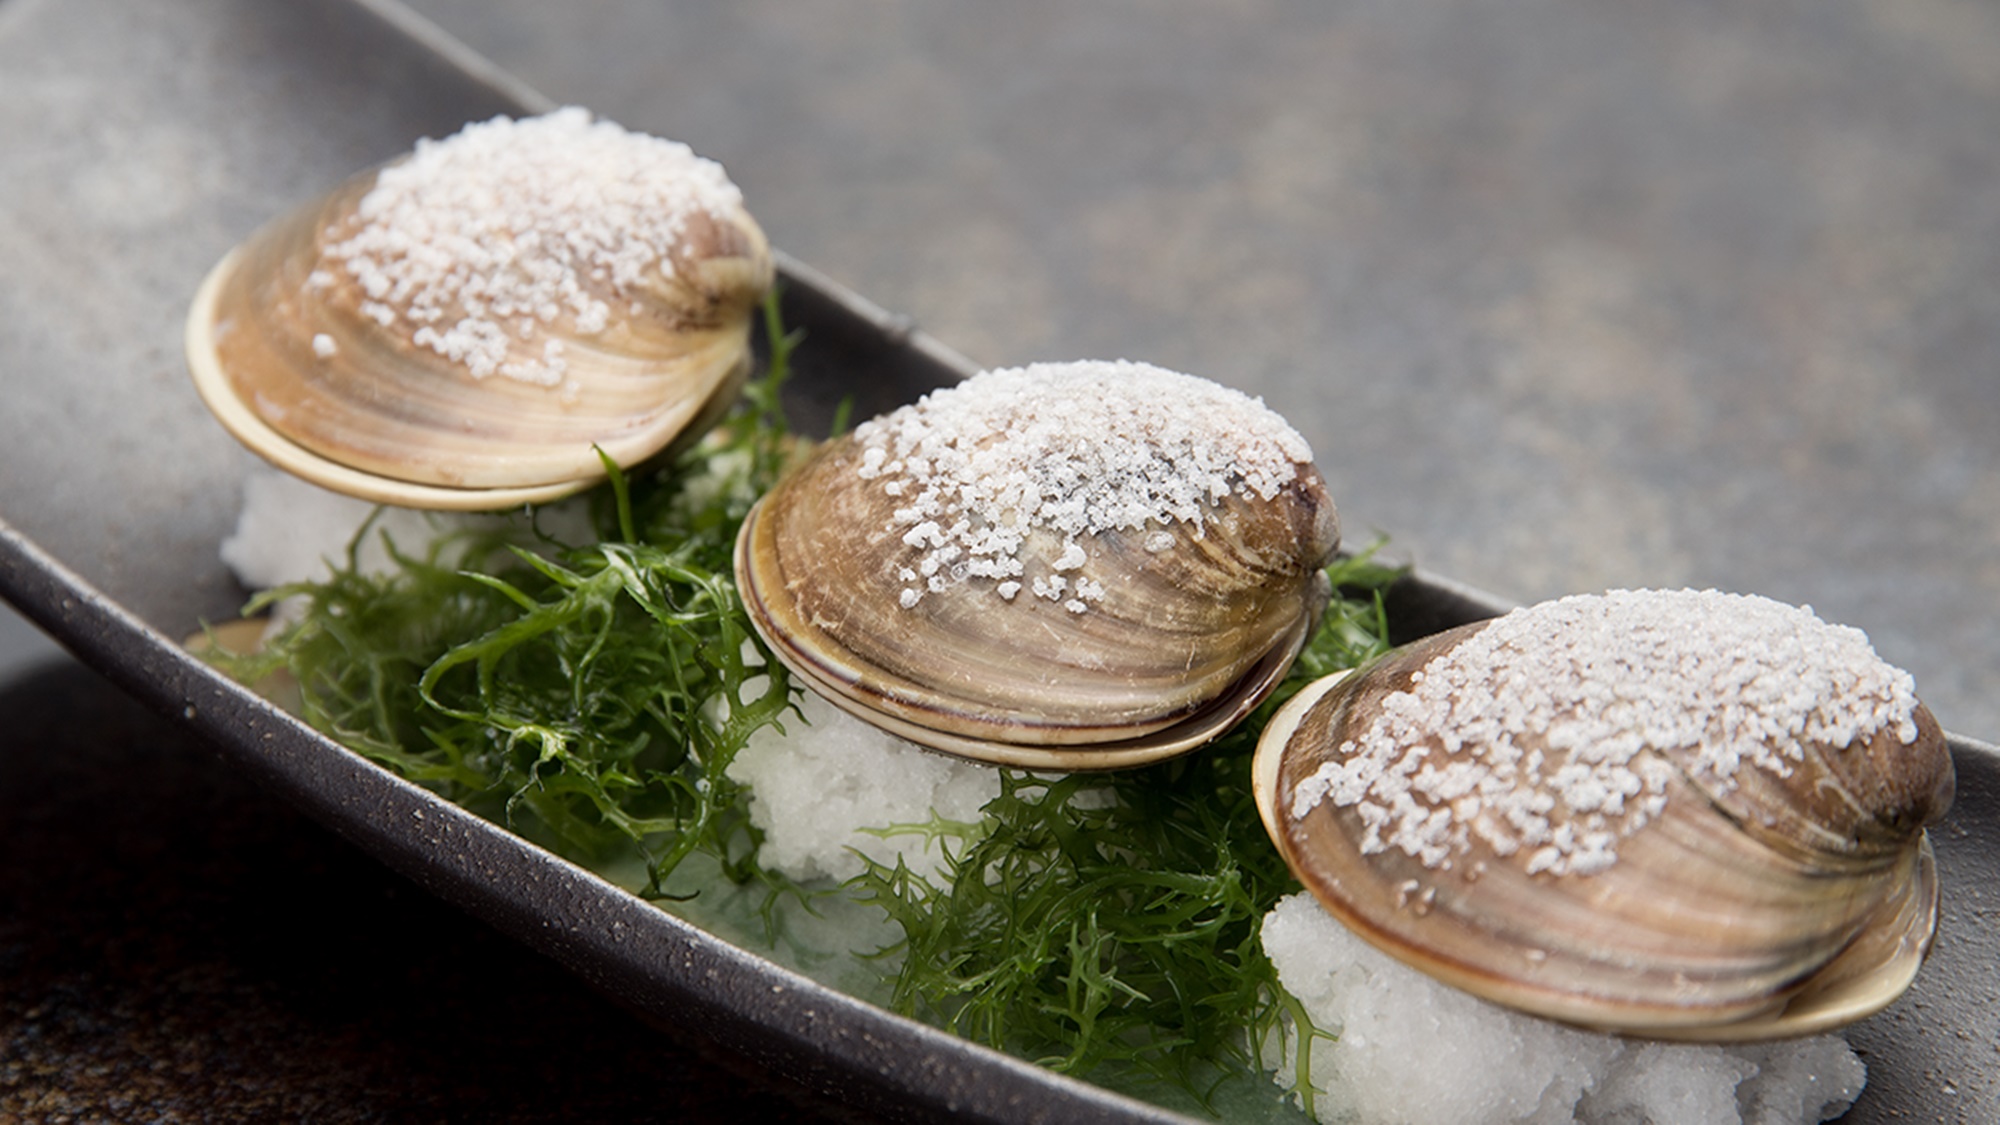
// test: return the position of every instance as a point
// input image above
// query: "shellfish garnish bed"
(1682, 815)
(466, 327)
(1064, 566)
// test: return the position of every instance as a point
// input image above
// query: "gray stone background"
(1567, 294)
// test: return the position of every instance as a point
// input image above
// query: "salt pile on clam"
(464, 328)
(1063, 566)
(1688, 815)
(1674, 814)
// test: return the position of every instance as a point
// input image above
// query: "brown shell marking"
(1175, 645)
(287, 356)
(1775, 906)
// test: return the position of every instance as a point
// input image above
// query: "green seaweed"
(591, 697)
(1108, 925)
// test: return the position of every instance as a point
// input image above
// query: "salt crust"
(1605, 682)
(1076, 449)
(476, 240)
(818, 788)
(1411, 1050)
(290, 531)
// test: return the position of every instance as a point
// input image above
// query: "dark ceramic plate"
(188, 122)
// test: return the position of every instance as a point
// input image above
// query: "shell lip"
(1875, 970)
(258, 435)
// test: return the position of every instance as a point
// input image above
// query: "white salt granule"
(291, 531)
(474, 241)
(1412, 1051)
(725, 478)
(817, 788)
(1076, 449)
(1602, 682)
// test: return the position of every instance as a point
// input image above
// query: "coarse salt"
(1398, 1048)
(1076, 449)
(1541, 734)
(476, 241)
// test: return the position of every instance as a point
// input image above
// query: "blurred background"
(1567, 295)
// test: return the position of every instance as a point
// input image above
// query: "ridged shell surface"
(1046, 566)
(1687, 815)
(488, 311)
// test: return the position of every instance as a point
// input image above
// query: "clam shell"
(285, 352)
(1760, 907)
(1182, 643)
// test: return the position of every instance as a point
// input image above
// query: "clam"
(1065, 566)
(467, 326)
(1676, 814)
